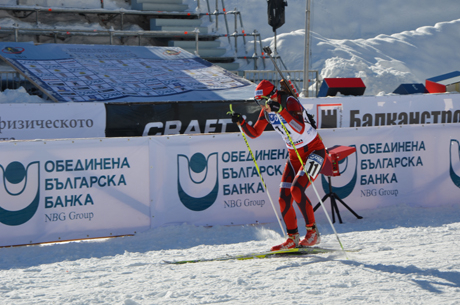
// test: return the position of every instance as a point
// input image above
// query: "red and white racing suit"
(309, 145)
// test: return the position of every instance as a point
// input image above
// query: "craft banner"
(73, 189)
(146, 119)
(28, 121)
(368, 111)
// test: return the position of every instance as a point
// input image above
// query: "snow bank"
(19, 96)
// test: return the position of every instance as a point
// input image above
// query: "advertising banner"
(148, 119)
(84, 188)
(29, 121)
(369, 111)
(143, 119)
(208, 180)
(73, 189)
(414, 165)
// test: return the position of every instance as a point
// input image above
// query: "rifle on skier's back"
(287, 85)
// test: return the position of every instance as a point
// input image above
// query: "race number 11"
(313, 165)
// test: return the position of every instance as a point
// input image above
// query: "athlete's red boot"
(312, 238)
(291, 242)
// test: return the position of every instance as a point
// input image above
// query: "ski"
(266, 254)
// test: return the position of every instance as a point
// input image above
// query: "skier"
(278, 105)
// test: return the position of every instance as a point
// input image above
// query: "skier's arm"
(293, 115)
(258, 128)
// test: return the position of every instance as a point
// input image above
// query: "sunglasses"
(261, 101)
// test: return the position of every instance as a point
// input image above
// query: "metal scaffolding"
(61, 34)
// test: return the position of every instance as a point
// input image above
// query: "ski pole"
(260, 174)
(311, 182)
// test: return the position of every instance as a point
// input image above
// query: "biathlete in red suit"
(301, 127)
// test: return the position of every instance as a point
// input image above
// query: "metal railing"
(110, 33)
(29, 10)
(18, 2)
(236, 33)
(295, 76)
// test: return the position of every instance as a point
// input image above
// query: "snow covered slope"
(408, 256)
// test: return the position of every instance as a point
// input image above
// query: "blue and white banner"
(416, 165)
(209, 180)
(83, 188)
(27, 121)
(73, 189)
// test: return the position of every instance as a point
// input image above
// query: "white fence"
(83, 188)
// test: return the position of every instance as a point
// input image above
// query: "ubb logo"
(348, 168)
(20, 192)
(197, 180)
(454, 166)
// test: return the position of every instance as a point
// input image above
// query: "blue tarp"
(437, 79)
(102, 73)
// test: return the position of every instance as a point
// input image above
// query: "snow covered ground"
(409, 256)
